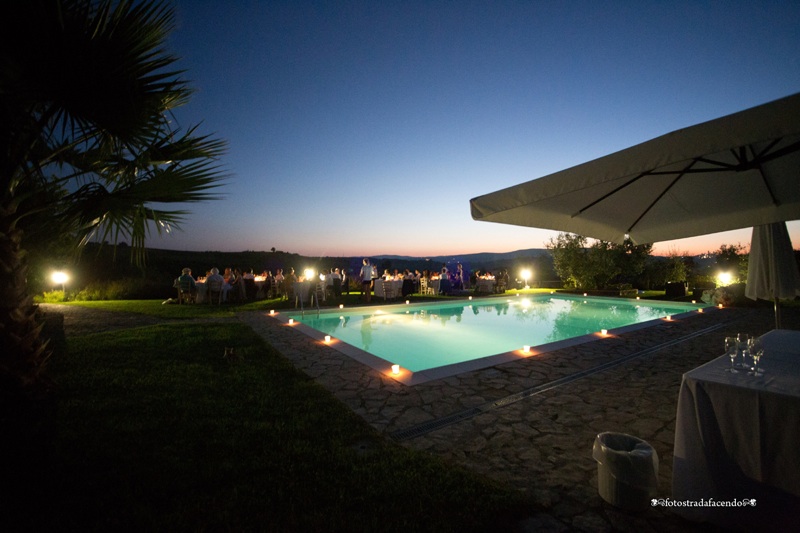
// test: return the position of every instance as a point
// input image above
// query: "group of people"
(234, 283)
(280, 284)
(450, 280)
(240, 285)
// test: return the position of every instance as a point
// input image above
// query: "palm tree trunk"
(22, 352)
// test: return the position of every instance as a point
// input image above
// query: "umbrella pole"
(777, 314)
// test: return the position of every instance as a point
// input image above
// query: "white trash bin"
(627, 470)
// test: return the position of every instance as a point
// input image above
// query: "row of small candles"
(328, 338)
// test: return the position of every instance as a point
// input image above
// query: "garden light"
(724, 279)
(60, 278)
(526, 274)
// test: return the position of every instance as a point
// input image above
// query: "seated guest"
(187, 285)
(215, 282)
(214, 275)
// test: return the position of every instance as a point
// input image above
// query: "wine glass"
(731, 345)
(742, 340)
(756, 349)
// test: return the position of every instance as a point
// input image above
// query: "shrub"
(125, 289)
(52, 297)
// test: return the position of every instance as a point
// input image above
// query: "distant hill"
(99, 263)
(481, 257)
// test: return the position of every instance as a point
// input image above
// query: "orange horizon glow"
(501, 239)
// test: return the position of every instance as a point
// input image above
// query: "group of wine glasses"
(744, 347)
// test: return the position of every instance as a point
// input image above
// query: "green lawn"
(155, 431)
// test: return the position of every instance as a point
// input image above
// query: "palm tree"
(88, 145)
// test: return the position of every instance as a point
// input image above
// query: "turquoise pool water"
(426, 336)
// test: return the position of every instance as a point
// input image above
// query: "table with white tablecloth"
(737, 438)
(303, 292)
(484, 285)
(202, 291)
(435, 284)
(396, 286)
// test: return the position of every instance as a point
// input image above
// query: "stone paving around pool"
(541, 441)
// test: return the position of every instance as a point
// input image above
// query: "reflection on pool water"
(425, 336)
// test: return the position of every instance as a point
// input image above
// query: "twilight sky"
(365, 127)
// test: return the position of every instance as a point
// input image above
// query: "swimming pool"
(444, 338)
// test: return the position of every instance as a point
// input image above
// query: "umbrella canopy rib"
(661, 195)
(608, 195)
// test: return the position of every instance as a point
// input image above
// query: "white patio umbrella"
(772, 272)
(737, 171)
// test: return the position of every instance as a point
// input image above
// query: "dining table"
(303, 291)
(485, 285)
(395, 286)
(737, 439)
(436, 285)
(202, 291)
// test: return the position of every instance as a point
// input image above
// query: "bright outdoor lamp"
(309, 273)
(724, 279)
(60, 278)
(526, 275)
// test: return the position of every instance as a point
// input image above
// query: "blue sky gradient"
(364, 128)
